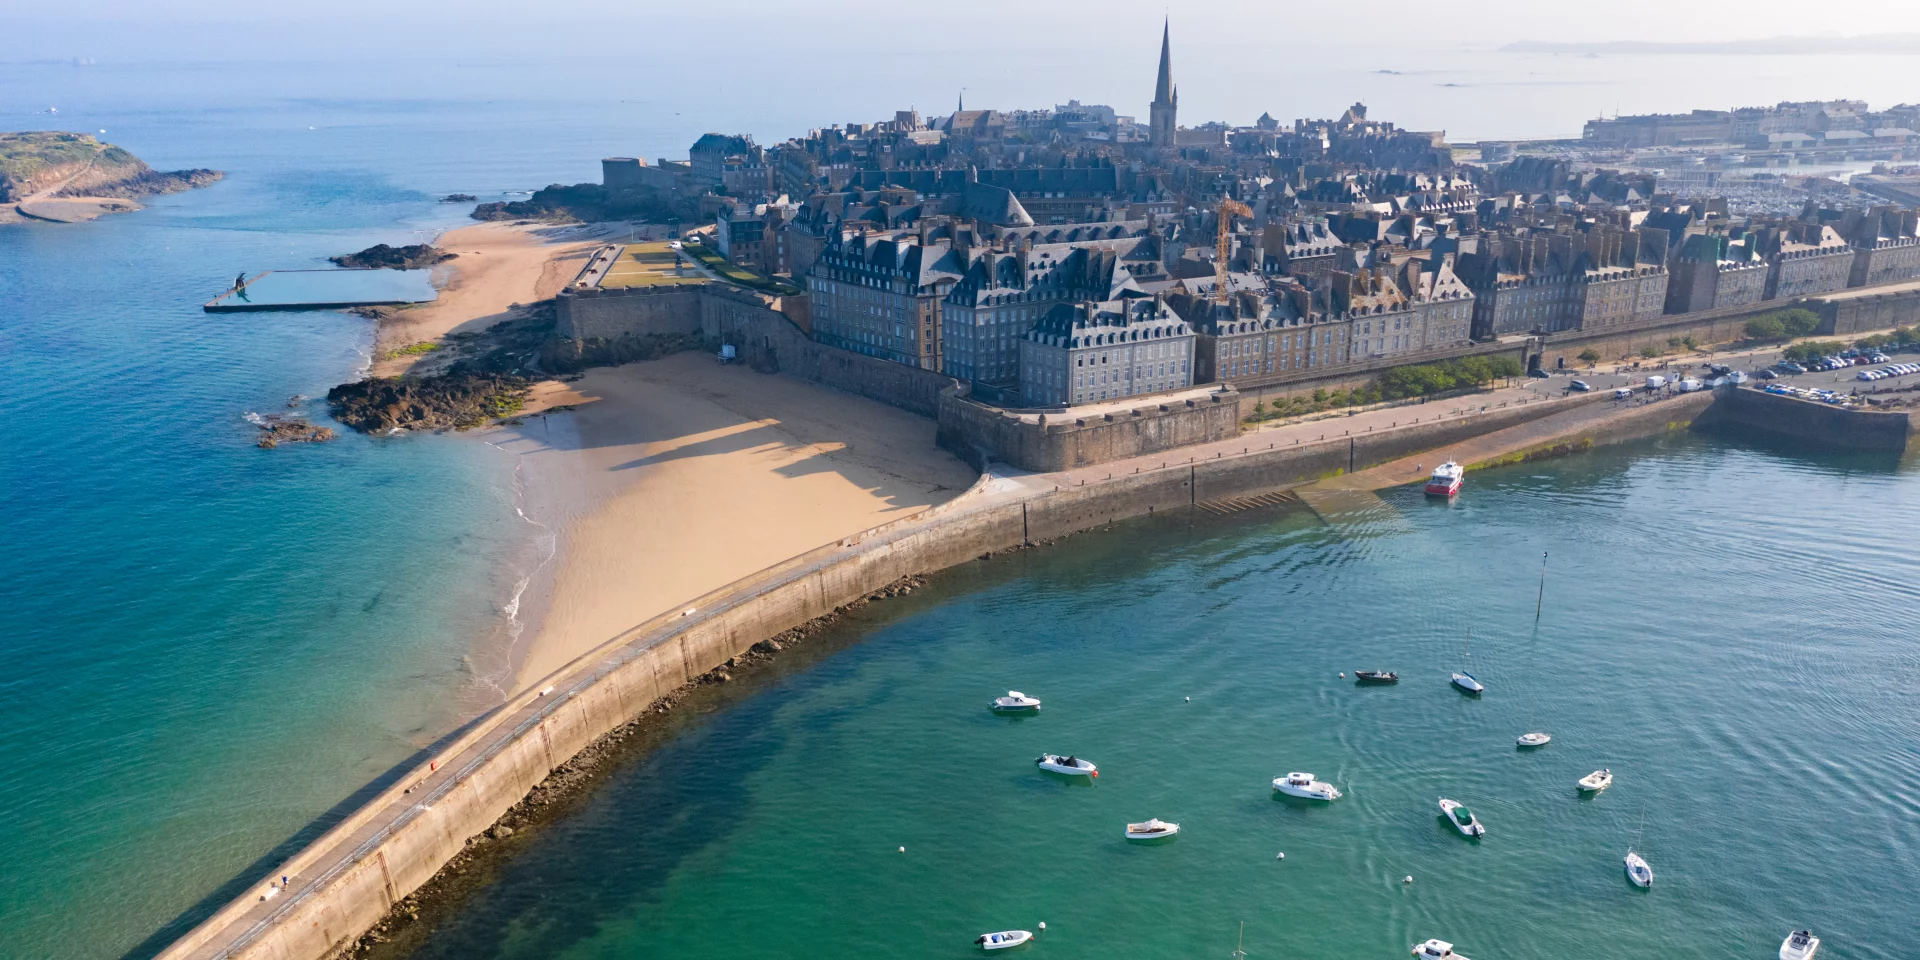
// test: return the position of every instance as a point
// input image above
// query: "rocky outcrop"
(276, 429)
(149, 183)
(459, 399)
(458, 198)
(381, 256)
(66, 165)
(584, 202)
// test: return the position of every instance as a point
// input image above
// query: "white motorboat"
(1638, 871)
(1436, 950)
(1004, 939)
(1596, 781)
(1466, 682)
(1462, 819)
(1069, 765)
(1152, 829)
(1446, 479)
(1799, 945)
(1534, 739)
(1016, 702)
(1304, 785)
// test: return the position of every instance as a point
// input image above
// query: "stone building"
(1884, 246)
(1086, 352)
(1004, 291)
(1805, 259)
(1711, 272)
(881, 296)
(709, 156)
(1162, 124)
(1239, 337)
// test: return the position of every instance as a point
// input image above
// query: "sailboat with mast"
(1639, 872)
(1464, 680)
(1535, 738)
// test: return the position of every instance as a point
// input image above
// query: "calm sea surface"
(211, 649)
(1729, 629)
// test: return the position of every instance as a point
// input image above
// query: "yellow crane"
(1229, 208)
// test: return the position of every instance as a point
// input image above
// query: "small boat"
(1446, 479)
(1069, 765)
(1152, 829)
(1534, 739)
(1596, 781)
(1467, 683)
(1462, 819)
(1304, 785)
(1016, 702)
(1638, 871)
(1436, 950)
(1376, 676)
(1799, 945)
(1004, 939)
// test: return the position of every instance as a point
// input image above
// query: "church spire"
(1163, 88)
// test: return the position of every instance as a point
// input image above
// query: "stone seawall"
(1820, 424)
(350, 878)
(978, 433)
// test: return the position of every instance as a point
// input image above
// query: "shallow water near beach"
(1727, 627)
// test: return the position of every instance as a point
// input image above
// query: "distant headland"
(71, 177)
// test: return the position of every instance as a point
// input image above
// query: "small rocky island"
(380, 256)
(72, 177)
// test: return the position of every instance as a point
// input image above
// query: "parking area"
(1856, 373)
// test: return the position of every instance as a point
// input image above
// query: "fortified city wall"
(349, 878)
(1823, 424)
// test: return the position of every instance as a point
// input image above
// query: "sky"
(775, 69)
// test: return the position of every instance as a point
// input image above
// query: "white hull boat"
(1466, 682)
(1596, 781)
(1462, 819)
(1303, 785)
(1637, 870)
(1152, 829)
(1004, 939)
(1436, 950)
(1799, 945)
(1446, 479)
(1067, 766)
(1534, 739)
(1016, 702)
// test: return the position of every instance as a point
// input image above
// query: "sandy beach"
(675, 477)
(498, 265)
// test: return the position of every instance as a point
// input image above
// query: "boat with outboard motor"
(1152, 828)
(1004, 939)
(1462, 819)
(1069, 765)
(1799, 945)
(1596, 781)
(1303, 785)
(1534, 739)
(1375, 676)
(1446, 479)
(1436, 950)
(1016, 702)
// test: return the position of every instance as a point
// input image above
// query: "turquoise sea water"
(1728, 628)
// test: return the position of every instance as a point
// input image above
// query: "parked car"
(1689, 385)
(1866, 375)
(1736, 378)
(1879, 357)
(1623, 393)
(1542, 374)
(1791, 367)
(1767, 374)
(1656, 381)
(1579, 386)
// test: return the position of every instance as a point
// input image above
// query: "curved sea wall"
(348, 879)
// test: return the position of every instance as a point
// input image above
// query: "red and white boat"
(1446, 479)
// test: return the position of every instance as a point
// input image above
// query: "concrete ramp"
(1353, 509)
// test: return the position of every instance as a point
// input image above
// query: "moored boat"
(1375, 676)
(1534, 739)
(1003, 939)
(1799, 945)
(1596, 781)
(1446, 479)
(1069, 765)
(1638, 871)
(1152, 829)
(1462, 819)
(1016, 702)
(1305, 786)
(1466, 682)
(1436, 950)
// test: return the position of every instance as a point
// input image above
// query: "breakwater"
(1823, 425)
(348, 879)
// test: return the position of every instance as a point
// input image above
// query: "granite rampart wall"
(1819, 424)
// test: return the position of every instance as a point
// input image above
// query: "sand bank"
(499, 265)
(676, 477)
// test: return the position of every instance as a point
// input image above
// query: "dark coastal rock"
(459, 398)
(458, 198)
(587, 202)
(381, 256)
(276, 429)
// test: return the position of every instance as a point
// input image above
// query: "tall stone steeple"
(1166, 97)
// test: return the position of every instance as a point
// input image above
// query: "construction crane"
(1229, 208)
